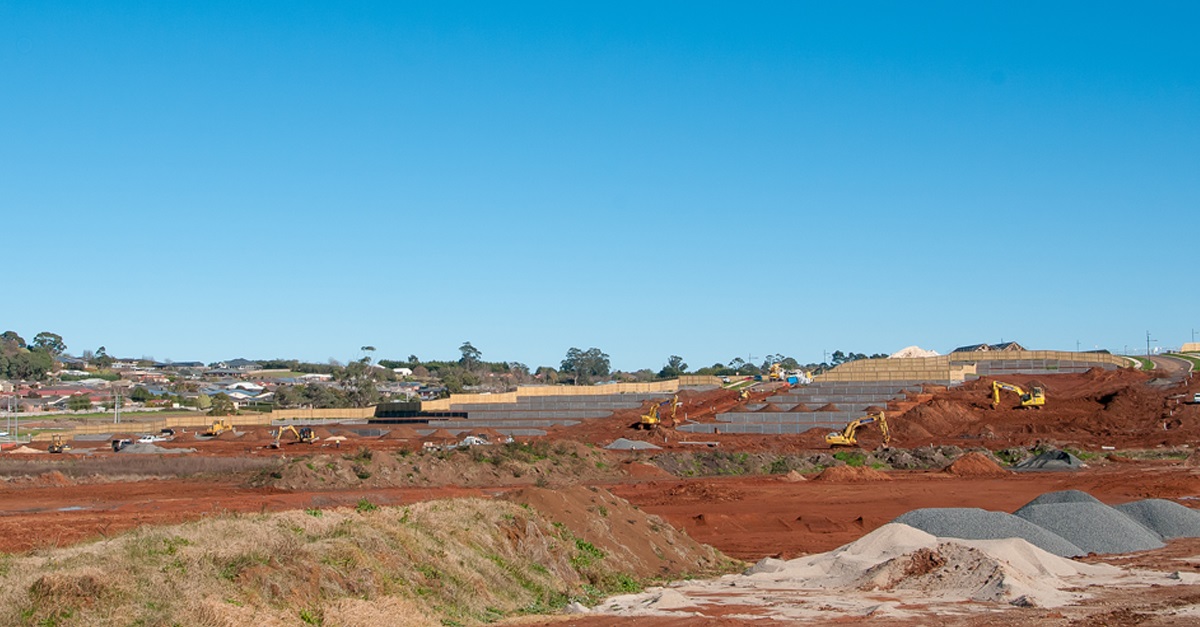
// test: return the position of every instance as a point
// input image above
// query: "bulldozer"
(218, 427)
(58, 445)
(847, 436)
(304, 435)
(1035, 397)
(652, 420)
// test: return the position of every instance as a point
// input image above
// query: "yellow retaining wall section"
(952, 367)
(1190, 347)
(666, 387)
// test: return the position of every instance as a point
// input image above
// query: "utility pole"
(1147, 343)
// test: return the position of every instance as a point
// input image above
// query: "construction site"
(976, 488)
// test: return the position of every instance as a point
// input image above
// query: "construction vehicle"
(847, 436)
(652, 420)
(218, 427)
(744, 394)
(1035, 397)
(57, 445)
(303, 435)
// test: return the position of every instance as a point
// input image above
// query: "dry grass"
(461, 561)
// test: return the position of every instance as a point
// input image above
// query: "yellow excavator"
(303, 435)
(775, 373)
(57, 445)
(652, 420)
(1035, 397)
(846, 437)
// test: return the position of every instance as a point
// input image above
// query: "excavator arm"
(848, 435)
(1035, 397)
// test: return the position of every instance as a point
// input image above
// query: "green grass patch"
(851, 458)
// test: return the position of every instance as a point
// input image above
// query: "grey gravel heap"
(1063, 496)
(1167, 518)
(970, 523)
(1050, 460)
(624, 444)
(1093, 527)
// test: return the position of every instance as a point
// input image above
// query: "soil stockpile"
(851, 474)
(829, 407)
(1049, 461)
(770, 407)
(970, 523)
(1166, 518)
(1093, 527)
(401, 432)
(800, 407)
(975, 464)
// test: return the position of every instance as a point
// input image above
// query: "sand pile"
(975, 464)
(793, 477)
(851, 474)
(914, 567)
(25, 450)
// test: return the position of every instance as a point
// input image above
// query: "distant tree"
(675, 367)
(204, 401)
(79, 402)
(140, 395)
(222, 405)
(736, 363)
(11, 341)
(413, 359)
(546, 374)
(102, 360)
(585, 366)
(470, 355)
(48, 342)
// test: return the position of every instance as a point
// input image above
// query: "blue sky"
(703, 179)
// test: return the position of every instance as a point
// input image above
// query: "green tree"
(140, 395)
(470, 356)
(48, 342)
(79, 402)
(222, 405)
(585, 366)
(204, 401)
(674, 368)
(102, 360)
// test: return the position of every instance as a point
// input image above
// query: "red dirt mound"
(975, 464)
(228, 435)
(401, 432)
(829, 407)
(322, 432)
(801, 407)
(441, 434)
(770, 407)
(851, 474)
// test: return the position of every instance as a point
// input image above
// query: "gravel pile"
(1063, 496)
(1093, 527)
(970, 523)
(1050, 460)
(143, 448)
(1166, 518)
(624, 444)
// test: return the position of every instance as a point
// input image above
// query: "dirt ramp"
(851, 474)
(975, 464)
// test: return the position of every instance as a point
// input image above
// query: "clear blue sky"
(221, 179)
